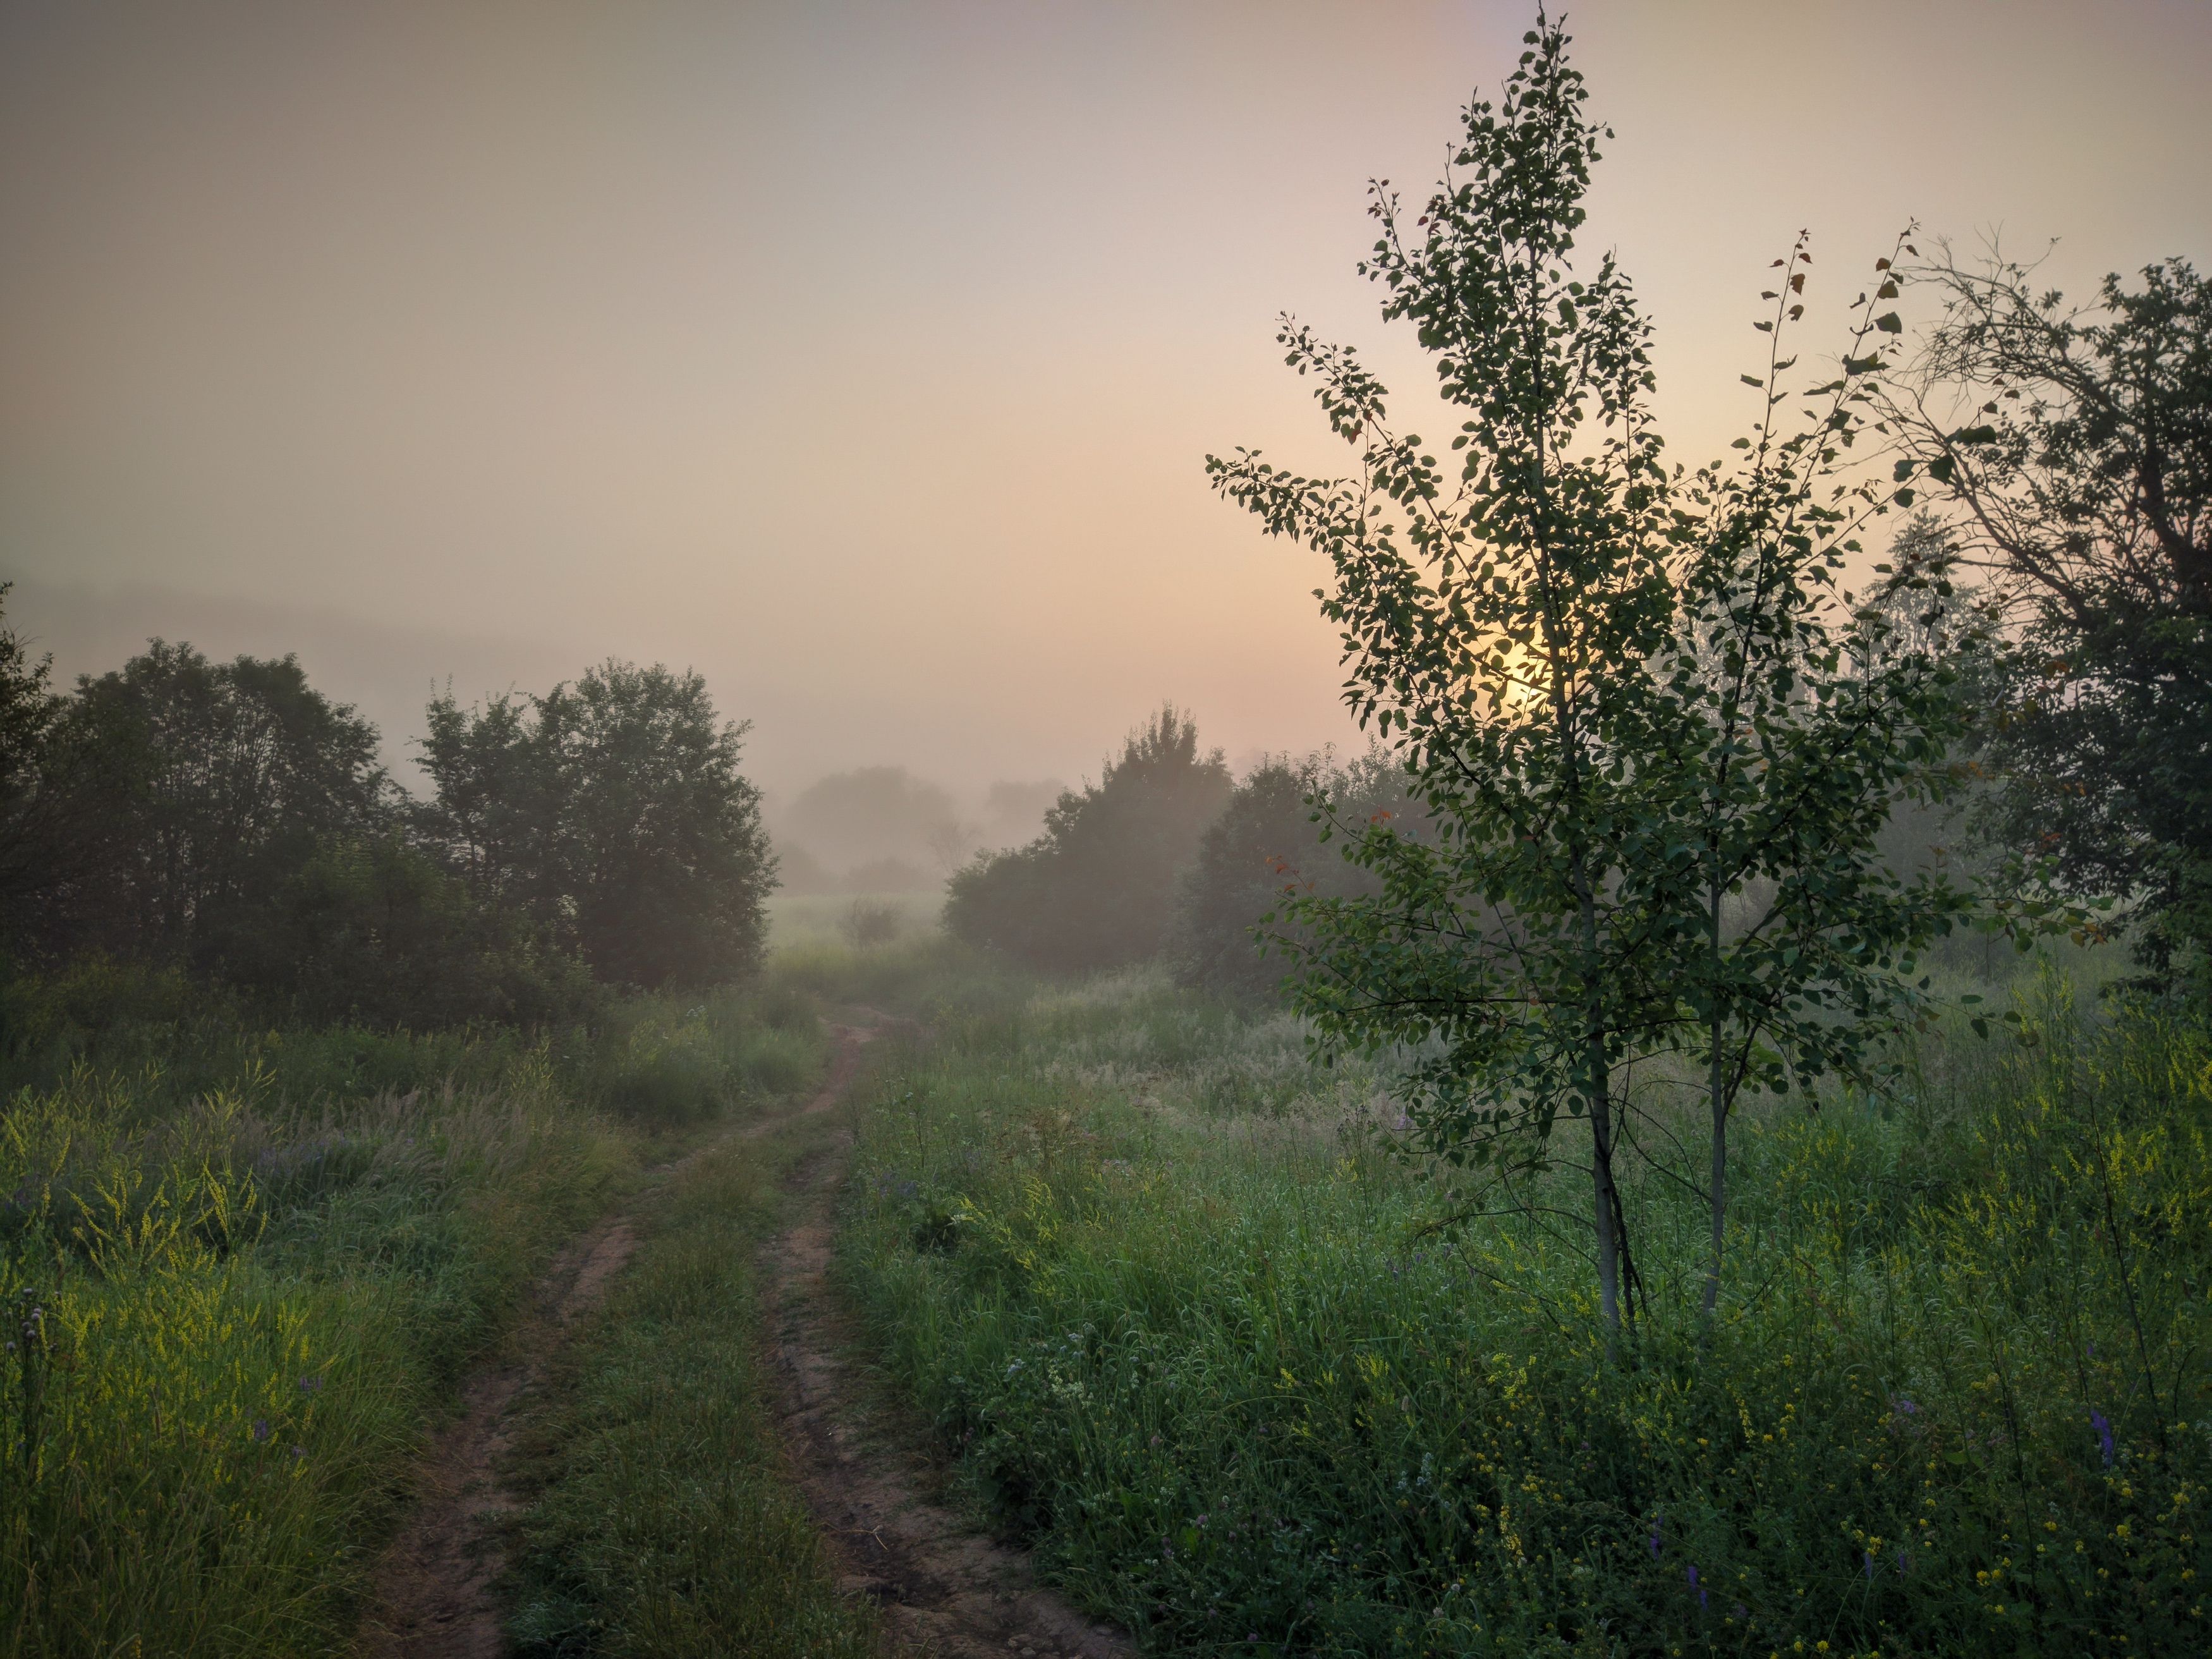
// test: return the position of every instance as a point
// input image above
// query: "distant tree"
(1287, 830)
(377, 931)
(614, 812)
(494, 812)
(1096, 888)
(874, 815)
(203, 786)
(1622, 699)
(2074, 444)
(29, 713)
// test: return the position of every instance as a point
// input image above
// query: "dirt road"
(943, 1589)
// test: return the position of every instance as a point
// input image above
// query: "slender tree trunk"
(1605, 1196)
(1718, 1099)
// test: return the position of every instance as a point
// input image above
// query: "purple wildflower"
(310, 1384)
(1869, 1564)
(260, 1428)
(1696, 1586)
(2104, 1428)
(1904, 1407)
(1655, 1541)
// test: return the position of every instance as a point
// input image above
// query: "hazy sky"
(864, 356)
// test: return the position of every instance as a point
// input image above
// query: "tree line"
(229, 820)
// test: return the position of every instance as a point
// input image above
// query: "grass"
(661, 1525)
(828, 918)
(244, 1268)
(1182, 1315)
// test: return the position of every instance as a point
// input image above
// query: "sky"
(864, 356)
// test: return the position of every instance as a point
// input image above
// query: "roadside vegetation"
(303, 1081)
(245, 1267)
(1191, 1322)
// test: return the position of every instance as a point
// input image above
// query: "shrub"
(1097, 889)
(1269, 841)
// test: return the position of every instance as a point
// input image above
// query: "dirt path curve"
(432, 1597)
(944, 1589)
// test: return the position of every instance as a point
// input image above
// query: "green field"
(1189, 1323)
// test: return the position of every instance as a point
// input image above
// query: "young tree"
(1793, 725)
(1497, 624)
(1630, 702)
(2075, 445)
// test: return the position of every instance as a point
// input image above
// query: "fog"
(864, 356)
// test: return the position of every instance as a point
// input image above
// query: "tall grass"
(243, 1267)
(1188, 1325)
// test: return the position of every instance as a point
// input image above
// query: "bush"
(1267, 842)
(1097, 889)
(871, 922)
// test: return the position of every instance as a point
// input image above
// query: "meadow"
(244, 1268)
(1184, 1318)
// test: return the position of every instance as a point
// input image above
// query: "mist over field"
(859, 356)
(968, 829)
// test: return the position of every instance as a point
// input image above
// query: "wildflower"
(310, 1384)
(1154, 1440)
(1698, 1587)
(1904, 1407)
(1655, 1541)
(2104, 1428)
(260, 1428)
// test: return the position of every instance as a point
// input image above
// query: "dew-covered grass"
(1184, 1319)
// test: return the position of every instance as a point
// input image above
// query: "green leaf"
(1900, 472)
(1751, 380)
(1890, 323)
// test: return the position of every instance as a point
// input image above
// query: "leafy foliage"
(1626, 700)
(1097, 889)
(1277, 836)
(201, 788)
(2075, 445)
(613, 812)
